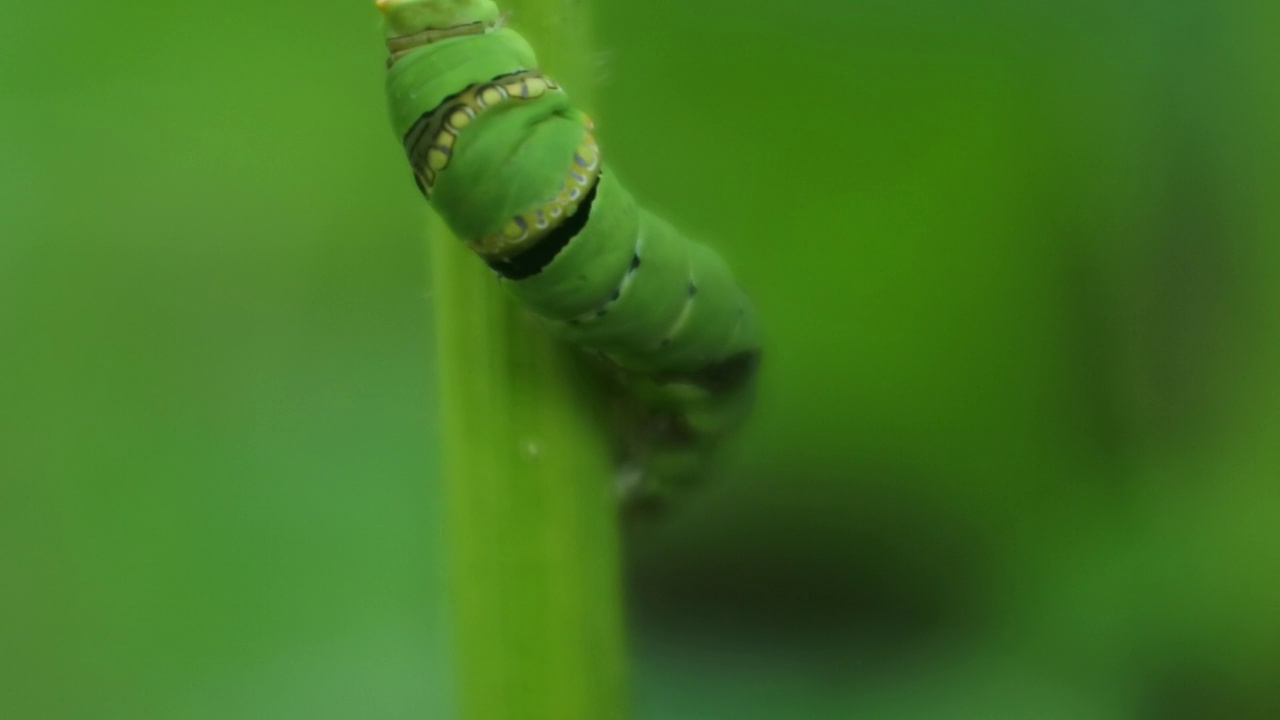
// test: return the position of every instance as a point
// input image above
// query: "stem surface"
(531, 514)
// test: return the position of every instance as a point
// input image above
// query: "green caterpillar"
(516, 173)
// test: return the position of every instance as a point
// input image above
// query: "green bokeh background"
(1017, 452)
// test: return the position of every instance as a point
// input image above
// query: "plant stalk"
(531, 514)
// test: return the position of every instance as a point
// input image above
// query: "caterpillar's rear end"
(515, 171)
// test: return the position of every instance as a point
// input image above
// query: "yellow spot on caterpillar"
(446, 139)
(492, 95)
(460, 119)
(437, 160)
(535, 86)
(513, 230)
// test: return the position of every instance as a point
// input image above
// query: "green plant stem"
(531, 516)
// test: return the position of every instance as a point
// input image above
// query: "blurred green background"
(1017, 452)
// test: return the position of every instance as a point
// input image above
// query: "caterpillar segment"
(515, 171)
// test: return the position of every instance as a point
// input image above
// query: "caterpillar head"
(406, 17)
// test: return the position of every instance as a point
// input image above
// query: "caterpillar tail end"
(649, 484)
(639, 500)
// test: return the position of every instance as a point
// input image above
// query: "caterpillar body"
(516, 173)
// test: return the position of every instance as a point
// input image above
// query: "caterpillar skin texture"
(515, 171)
